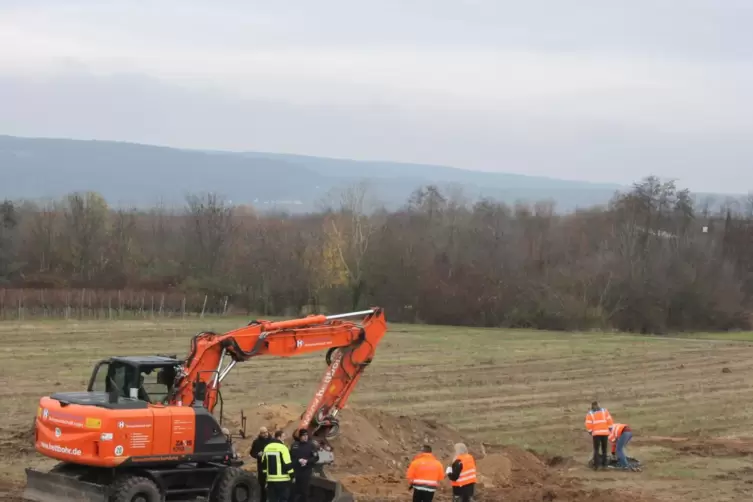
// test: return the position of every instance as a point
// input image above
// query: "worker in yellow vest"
(462, 474)
(278, 469)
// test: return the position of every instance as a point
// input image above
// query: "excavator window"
(144, 382)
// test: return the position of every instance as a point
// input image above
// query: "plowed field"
(517, 398)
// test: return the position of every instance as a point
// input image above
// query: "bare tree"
(85, 217)
(351, 227)
(209, 232)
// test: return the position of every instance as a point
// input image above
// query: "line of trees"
(649, 261)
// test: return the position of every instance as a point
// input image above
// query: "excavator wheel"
(235, 485)
(135, 489)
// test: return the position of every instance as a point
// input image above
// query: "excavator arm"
(350, 348)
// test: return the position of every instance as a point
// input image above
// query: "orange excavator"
(144, 430)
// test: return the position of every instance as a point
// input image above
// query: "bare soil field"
(518, 399)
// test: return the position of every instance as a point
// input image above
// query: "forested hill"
(141, 175)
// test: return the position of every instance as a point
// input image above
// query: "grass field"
(691, 416)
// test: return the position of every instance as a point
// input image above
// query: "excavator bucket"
(328, 490)
(58, 487)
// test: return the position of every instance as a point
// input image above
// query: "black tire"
(135, 489)
(235, 485)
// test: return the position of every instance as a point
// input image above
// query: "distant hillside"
(134, 174)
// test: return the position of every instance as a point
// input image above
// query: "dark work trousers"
(301, 490)
(463, 493)
(279, 491)
(262, 482)
(422, 496)
(600, 442)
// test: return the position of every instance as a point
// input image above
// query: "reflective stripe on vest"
(274, 458)
(598, 422)
(468, 474)
(616, 432)
(425, 472)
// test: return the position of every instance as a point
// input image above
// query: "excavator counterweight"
(145, 431)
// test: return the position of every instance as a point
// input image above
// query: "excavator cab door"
(148, 379)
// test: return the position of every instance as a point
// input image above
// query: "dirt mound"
(370, 441)
(375, 448)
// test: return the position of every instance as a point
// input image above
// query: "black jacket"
(258, 446)
(305, 450)
(457, 468)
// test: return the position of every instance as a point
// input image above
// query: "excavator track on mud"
(133, 438)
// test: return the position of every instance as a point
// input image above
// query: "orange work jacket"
(468, 474)
(425, 472)
(598, 422)
(616, 432)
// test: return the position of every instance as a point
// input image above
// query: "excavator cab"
(142, 378)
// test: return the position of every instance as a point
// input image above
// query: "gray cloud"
(600, 91)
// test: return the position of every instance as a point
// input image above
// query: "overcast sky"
(588, 89)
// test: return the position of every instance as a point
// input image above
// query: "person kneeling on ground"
(304, 456)
(620, 435)
(598, 422)
(424, 474)
(462, 474)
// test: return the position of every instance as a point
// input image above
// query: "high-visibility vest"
(425, 472)
(598, 422)
(468, 474)
(616, 432)
(276, 462)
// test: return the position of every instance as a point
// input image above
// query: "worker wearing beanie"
(304, 455)
(598, 422)
(424, 474)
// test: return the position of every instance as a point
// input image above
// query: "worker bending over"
(598, 422)
(424, 474)
(278, 469)
(304, 457)
(462, 474)
(620, 435)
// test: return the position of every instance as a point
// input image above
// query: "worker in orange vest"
(598, 422)
(620, 435)
(424, 474)
(462, 474)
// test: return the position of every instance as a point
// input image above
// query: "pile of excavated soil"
(370, 441)
(375, 449)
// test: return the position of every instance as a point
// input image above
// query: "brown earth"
(375, 449)
(707, 447)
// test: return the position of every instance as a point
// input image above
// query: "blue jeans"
(621, 443)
